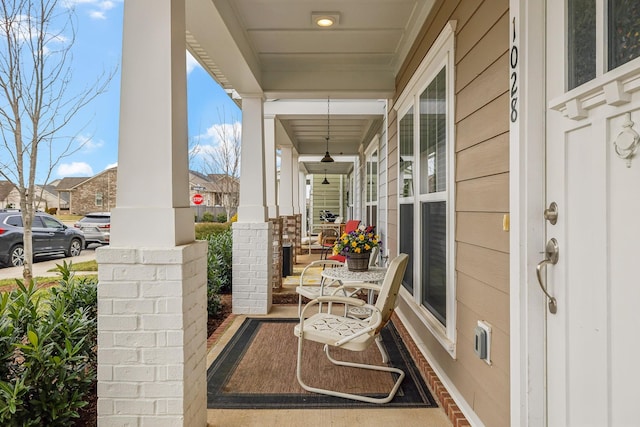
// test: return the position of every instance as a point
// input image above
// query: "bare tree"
(222, 161)
(35, 77)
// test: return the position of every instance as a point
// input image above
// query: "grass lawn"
(9, 284)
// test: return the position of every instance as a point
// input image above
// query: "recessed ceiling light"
(325, 19)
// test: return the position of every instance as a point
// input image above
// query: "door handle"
(550, 257)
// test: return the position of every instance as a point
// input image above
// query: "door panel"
(624, 281)
(592, 371)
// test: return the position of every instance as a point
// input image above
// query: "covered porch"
(348, 90)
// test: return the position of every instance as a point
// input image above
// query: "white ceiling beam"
(295, 108)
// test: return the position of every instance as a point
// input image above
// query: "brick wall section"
(252, 267)
(152, 327)
(436, 387)
(276, 273)
(298, 241)
(83, 197)
(291, 228)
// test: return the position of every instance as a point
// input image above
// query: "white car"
(96, 228)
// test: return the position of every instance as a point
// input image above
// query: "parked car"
(96, 227)
(50, 236)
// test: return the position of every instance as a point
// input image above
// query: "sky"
(97, 49)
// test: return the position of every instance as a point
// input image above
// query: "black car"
(50, 236)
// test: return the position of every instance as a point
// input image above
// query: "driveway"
(42, 265)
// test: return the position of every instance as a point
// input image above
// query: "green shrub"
(204, 230)
(219, 269)
(207, 217)
(221, 217)
(47, 352)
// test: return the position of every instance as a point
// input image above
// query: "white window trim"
(440, 55)
(374, 147)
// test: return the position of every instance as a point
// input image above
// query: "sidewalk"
(42, 265)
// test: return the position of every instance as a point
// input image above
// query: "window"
(16, 221)
(621, 37)
(426, 210)
(51, 223)
(98, 199)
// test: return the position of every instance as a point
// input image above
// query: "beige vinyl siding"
(392, 185)
(482, 199)
(325, 196)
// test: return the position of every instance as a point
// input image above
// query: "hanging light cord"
(328, 128)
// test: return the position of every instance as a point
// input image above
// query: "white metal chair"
(314, 290)
(334, 330)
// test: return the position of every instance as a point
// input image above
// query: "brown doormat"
(257, 370)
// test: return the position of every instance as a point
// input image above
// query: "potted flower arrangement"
(356, 247)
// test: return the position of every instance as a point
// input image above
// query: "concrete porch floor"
(409, 417)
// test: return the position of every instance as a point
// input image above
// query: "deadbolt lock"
(551, 213)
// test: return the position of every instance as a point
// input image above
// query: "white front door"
(593, 119)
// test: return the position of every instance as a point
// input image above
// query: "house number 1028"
(513, 62)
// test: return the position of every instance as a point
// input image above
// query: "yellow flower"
(357, 250)
(354, 244)
(361, 237)
(367, 247)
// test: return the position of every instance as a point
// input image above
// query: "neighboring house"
(45, 197)
(9, 197)
(503, 160)
(216, 189)
(95, 194)
(64, 187)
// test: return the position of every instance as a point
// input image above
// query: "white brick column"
(152, 278)
(252, 268)
(252, 234)
(152, 336)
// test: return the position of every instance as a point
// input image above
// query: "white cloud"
(191, 63)
(88, 144)
(75, 169)
(111, 165)
(97, 14)
(211, 139)
(97, 8)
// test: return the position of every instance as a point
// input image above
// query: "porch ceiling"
(273, 48)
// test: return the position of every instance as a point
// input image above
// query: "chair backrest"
(373, 258)
(329, 236)
(351, 225)
(390, 288)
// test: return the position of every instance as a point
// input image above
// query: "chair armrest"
(341, 299)
(359, 285)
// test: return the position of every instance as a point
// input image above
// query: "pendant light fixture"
(325, 181)
(327, 157)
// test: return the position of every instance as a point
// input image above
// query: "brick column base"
(252, 267)
(152, 334)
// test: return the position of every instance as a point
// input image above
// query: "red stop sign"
(197, 199)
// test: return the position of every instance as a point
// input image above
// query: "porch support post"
(252, 234)
(286, 180)
(295, 180)
(151, 300)
(270, 166)
(302, 194)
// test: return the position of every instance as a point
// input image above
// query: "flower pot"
(358, 262)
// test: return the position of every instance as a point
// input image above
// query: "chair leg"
(335, 393)
(383, 351)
